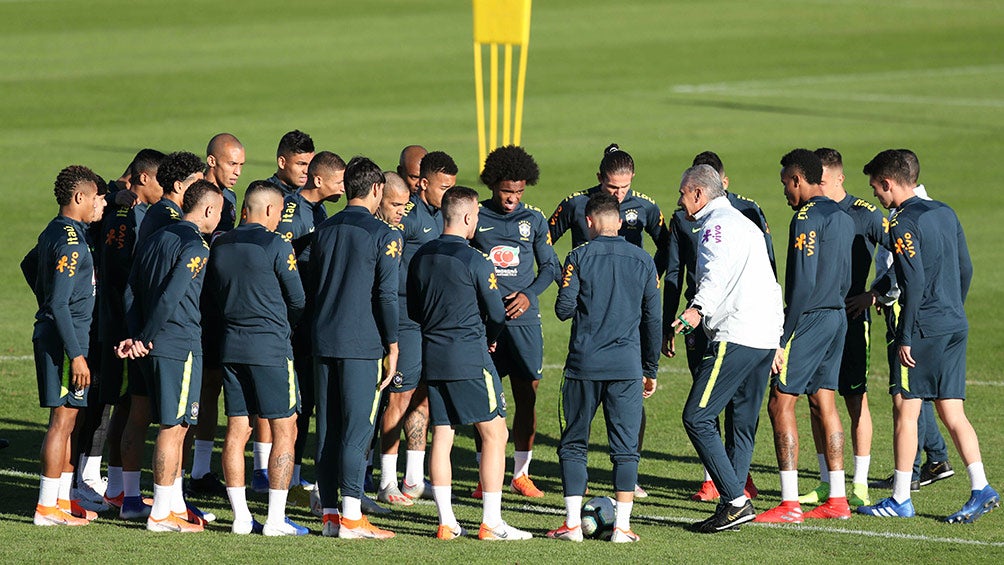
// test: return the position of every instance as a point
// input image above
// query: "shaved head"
(395, 184)
(225, 160)
(220, 142)
(409, 163)
(395, 198)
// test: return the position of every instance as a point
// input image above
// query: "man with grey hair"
(738, 302)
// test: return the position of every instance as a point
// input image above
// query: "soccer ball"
(598, 517)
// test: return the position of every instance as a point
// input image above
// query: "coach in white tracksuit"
(739, 302)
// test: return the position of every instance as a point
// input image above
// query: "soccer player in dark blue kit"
(354, 262)
(293, 156)
(409, 165)
(407, 399)
(684, 238)
(162, 305)
(177, 172)
(853, 382)
(120, 229)
(253, 279)
(302, 212)
(817, 277)
(514, 235)
(933, 271)
(738, 304)
(610, 290)
(60, 272)
(453, 293)
(224, 162)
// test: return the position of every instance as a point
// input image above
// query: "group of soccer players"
(401, 312)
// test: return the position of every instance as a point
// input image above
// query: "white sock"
(203, 458)
(707, 475)
(178, 500)
(327, 510)
(48, 491)
(739, 502)
(351, 508)
(261, 452)
(789, 486)
(977, 476)
(491, 508)
(114, 487)
(901, 485)
(521, 463)
(623, 519)
(414, 467)
(838, 489)
(65, 485)
(294, 480)
(162, 496)
(861, 465)
(239, 504)
(90, 467)
(573, 511)
(130, 483)
(277, 506)
(824, 471)
(388, 470)
(444, 505)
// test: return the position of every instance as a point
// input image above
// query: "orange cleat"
(833, 508)
(54, 516)
(447, 533)
(172, 523)
(73, 508)
(750, 489)
(523, 484)
(706, 493)
(361, 529)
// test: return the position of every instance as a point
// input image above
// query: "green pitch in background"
(92, 82)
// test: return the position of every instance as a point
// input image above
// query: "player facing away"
(224, 161)
(738, 304)
(639, 214)
(253, 278)
(120, 230)
(60, 272)
(409, 165)
(853, 380)
(354, 262)
(607, 286)
(817, 278)
(292, 156)
(162, 303)
(453, 293)
(407, 397)
(514, 235)
(685, 236)
(933, 271)
(885, 293)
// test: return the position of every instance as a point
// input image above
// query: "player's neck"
(176, 197)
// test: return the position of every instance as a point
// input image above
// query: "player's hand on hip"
(517, 304)
(669, 345)
(905, 358)
(649, 387)
(80, 373)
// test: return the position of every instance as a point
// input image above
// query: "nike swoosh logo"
(426, 230)
(857, 386)
(732, 516)
(695, 230)
(486, 229)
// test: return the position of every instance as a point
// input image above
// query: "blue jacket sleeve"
(289, 281)
(965, 262)
(651, 324)
(489, 296)
(548, 264)
(561, 219)
(910, 274)
(656, 227)
(29, 268)
(174, 286)
(568, 290)
(800, 277)
(674, 275)
(388, 271)
(58, 301)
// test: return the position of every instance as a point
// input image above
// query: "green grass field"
(93, 82)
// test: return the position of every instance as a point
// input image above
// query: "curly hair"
(437, 162)
(70, 178)
(177, 167)
(509, 162)
(805, 162)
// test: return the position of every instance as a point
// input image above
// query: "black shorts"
(519, 352)
(941, 367)
(174, 387)
(454, 403)
(855, 362)
(52, 371)
(268, 392)
(115, 373)
(812, 355)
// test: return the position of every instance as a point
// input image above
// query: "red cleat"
(750, 490)
(833, 508)
(788, 512)
(706, 493)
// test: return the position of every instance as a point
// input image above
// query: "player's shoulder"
(409, 208)
(64, 232)
(644, 198)
(739, 201)
(576, 196)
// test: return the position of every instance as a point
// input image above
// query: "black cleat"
(726, 518)
(934, 471)
(206, 486)
(886, 483)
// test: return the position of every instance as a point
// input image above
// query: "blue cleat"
(981, 502)
(134, 508)
(889, 508)
(259, 481)
(287, 528)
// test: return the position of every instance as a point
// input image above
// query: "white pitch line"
(16, 357)
(792, 527)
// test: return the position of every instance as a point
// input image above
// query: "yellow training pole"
(479, 98)
(520, 84)
(507, 95)
(493, 85)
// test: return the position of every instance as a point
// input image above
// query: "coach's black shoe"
(887, 482)
(206, 486)
(726, 518)
(4, 443)
(934, 471)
